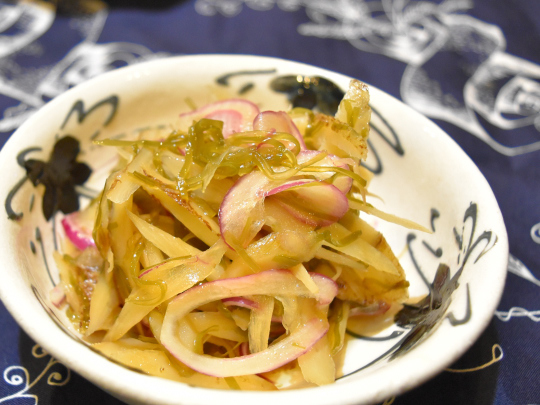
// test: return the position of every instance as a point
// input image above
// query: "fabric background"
(451, 60)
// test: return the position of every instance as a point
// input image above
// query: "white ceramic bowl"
(424, 176)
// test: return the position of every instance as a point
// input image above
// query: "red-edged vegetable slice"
(278, 121)
(237, 115)
(58, 296)
(241, 215)
(247, 303)
(343, 183)
(78, 229)
(278, 283)
(315, 202)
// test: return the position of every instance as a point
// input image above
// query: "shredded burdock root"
(233, 247)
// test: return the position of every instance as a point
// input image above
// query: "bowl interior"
(421, 174)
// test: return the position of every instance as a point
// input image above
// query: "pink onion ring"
(236, 114)
(76, 232)
(273, 283)
(278, 121)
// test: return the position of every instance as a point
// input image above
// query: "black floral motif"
(423, 316)
(310, 92)
(429, 312)
(59, 175)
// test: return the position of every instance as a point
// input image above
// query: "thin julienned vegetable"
(234, 248)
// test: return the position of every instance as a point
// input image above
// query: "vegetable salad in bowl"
(233, 247)
(240, 229)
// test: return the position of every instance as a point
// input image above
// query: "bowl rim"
(30, 315)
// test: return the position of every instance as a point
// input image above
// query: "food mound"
(230, 252)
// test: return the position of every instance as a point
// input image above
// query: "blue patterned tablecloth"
(471, 65)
